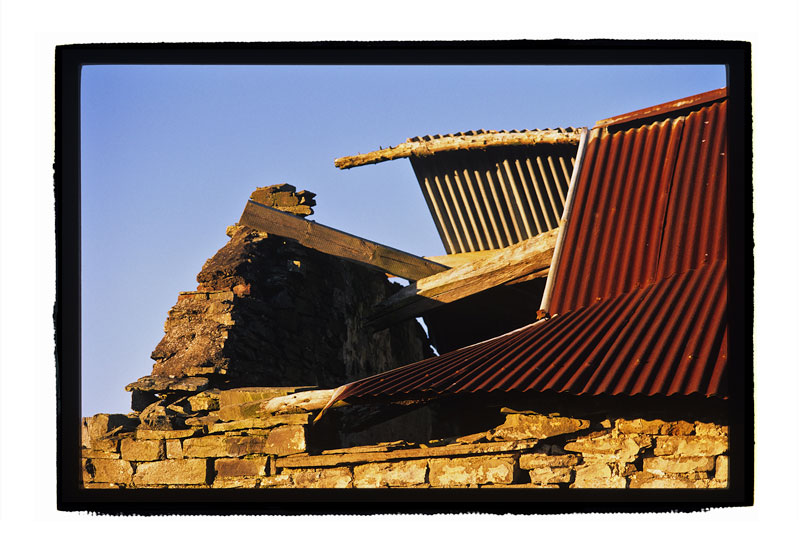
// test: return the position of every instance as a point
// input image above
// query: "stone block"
(455, 472)
(286, 440)
(261, 423)
(190, 471)
(597, 475)
(391, 474)
(142, 450)
(322, 478)
(205, 447)
(639, 426)
(174, 448)
(678, 428)
(282, 480)
(242, 445)
(194, 371)
(721, 469)
(101, 425)
(205, 401)
(110, 471)
(233, 397)
(649, 481)
(620, 448)
(234, 483)
(710, 429)
(200, 421)
(691, 445)
(549, 475)
(660, 466)
(537, 460)
(221, 295)
(231, 467)
(107, 445)
(164, 433)
(237, 412)
(535, 426)
(91, 453)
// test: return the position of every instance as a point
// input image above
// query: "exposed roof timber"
(665, 108)
(461, 142)
(457, 259)
(510, 264)
(334, 242)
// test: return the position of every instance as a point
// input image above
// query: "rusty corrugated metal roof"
(667, 338)
(640, 295)
(651, 203)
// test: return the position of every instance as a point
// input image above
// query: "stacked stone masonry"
(269, 311)
(230, 443)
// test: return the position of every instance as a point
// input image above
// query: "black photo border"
(735, 55)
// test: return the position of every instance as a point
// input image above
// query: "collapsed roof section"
(488, 189)
(638, 284)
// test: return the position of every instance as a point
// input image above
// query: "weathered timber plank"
(477, 141)
(529, 257)
(458, 259)
(335, 242)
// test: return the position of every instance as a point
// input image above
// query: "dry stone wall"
(230, 443)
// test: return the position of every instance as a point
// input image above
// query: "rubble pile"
(286, 198)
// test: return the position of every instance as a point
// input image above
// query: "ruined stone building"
(579, 313)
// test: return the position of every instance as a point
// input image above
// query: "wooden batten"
(453, 143)
(523, 261)
(334, 242)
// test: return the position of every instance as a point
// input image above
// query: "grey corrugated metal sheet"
(640, 296)
(495, 197)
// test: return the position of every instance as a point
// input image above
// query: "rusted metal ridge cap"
(477, 139)
(664, 109)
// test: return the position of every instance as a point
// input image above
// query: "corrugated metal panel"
(640, 296)
(496, 197)
(667, 338)
(651, 204)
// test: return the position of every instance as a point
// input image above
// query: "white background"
(30, 30)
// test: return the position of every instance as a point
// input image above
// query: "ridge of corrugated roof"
(431, 137)
(423, 146)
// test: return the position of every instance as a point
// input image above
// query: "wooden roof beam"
(461, 142)
(334, 242)
(522, 261)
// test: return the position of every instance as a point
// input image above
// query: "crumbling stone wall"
(232, 444)
(268, 311)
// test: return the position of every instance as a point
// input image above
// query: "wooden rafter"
(334, 242)
(523, 261)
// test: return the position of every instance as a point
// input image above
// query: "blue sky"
(170, 155)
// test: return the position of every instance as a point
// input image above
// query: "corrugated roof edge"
(462, 141)
(662, 109)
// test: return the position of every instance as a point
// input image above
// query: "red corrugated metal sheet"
(640, 296)
(651, 204)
